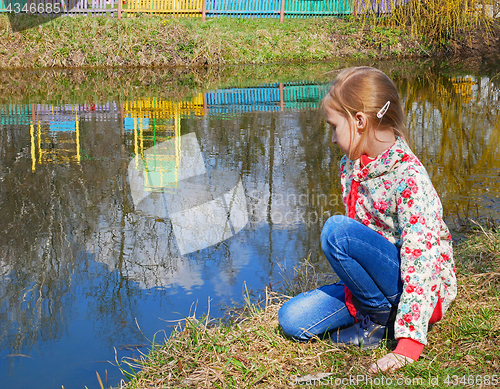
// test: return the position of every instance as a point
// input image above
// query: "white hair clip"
(383, 110)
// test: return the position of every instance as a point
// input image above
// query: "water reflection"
(170, 181)
(114, 211)
(453, 122)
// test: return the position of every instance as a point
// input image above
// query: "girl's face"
(342, 129)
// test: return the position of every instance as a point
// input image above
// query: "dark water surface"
(126, 203)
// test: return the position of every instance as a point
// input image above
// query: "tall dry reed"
(436, 20)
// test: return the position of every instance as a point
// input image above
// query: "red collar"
(365, 160)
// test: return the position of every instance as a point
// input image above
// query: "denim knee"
(334, 228)
(314, 312)
(287, 318)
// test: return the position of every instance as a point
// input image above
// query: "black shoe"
(367, 333)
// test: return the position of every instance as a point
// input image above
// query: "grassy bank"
(155, 41)
(463, 349)
(419, 28)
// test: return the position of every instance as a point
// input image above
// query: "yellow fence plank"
(190, 8)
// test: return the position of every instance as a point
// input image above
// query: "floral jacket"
(397, 199)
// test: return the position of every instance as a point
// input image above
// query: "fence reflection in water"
(79, 209)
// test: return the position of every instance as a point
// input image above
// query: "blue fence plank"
(271, 8)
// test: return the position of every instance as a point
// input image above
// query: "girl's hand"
(390, 361)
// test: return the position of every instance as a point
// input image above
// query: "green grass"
(162, 41)
(156, 41)
(250, 350)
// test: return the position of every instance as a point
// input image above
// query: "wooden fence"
(210, 8)
(241, 8)
(184, 8)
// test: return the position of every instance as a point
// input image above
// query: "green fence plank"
(308, 8)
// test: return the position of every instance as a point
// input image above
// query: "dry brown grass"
(249, 353)
(252, 352)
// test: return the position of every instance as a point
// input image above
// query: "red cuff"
(412, 348)
(438, 311)
(409, 348)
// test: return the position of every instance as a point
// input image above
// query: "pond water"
(129, 204)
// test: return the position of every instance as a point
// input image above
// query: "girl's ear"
(361, 122)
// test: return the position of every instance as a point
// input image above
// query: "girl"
(392, 252)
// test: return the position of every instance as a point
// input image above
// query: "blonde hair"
(366, 89)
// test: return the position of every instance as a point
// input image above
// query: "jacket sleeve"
(419, 213)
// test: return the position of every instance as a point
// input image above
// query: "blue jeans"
(366, 262)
